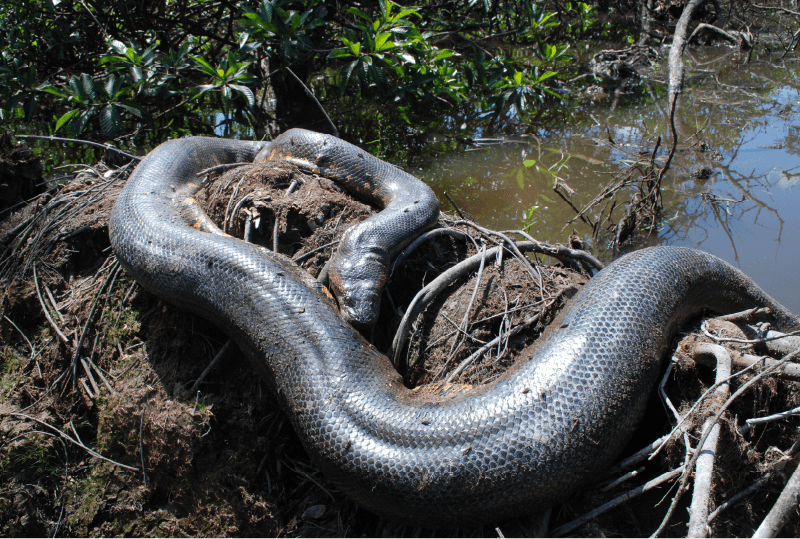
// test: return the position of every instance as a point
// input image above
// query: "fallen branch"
(631, 494)
(423, 238)
(425, 296)
(704, 437)
(78, 141)
(784, 508)
(777, 467)
(740, 39)
(211, 365)
(704, 470)
(44, 308)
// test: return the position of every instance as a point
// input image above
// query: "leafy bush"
(96, 73)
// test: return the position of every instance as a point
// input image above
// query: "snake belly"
(519, 444)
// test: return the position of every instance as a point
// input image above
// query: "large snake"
(518, 444)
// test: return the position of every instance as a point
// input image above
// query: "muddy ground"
(108, 428)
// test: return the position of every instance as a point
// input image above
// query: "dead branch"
(704, 470)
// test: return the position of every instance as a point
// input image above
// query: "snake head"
(357, 283)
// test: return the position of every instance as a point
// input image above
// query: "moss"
(119, 327)
(86, 498)
(10, 373)
(33, 454)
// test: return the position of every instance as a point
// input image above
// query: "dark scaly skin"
(359, 269)
(520, 444)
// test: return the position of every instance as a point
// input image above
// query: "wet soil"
(221, 459)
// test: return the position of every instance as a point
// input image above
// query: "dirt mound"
(112, 423)
(93, 356)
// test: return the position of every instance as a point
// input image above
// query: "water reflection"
(740, 121)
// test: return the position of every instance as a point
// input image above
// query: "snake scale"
(521, 443)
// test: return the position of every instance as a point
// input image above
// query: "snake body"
(521, 443)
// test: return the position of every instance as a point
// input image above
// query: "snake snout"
(360, 308)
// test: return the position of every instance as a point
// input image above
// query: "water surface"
(739, 117)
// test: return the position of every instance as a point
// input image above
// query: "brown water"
(745, 112)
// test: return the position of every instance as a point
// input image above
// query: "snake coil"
(521, 443)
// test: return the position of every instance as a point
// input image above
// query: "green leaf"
(529, 163)
(110, 121)
(518, 78)
(546, 75)
(405, 13)
(340, 53)
(117, 46)
(112, 86)
(51, 90)
(76, 126)
(132, 109)
(355, 48)
(75, 86)
(65, 118)
(205, 88)
(246, 92)
(441, 55)
(205, 66)
(382, 42)
(136, 74)
(347, 72)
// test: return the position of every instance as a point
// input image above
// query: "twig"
(783, 508)
(115, 268)
(275, 243)
(512, 247)
(248, 228)
(211, 365)
(425, 296)
(789, 371)
(52, 387)
(301, 258)
(488, 346)
(86, 388)
(464, 321)
(423, 238)
(53, 302)
(704, 327)
(236, 208)
(639, 456)
(103, 378)
(89, 375)
(704, 395)
(559, 251)
(701, 443)
(312, 96)
(44, 307)
(226, 166)
(774, 417)
(638, 491)
(455, 206)
(747, 315)
(84, 142)
(69, 438)
(614, 483)
(704, 471)
(20, 332)
(776, 468)
(141, 445)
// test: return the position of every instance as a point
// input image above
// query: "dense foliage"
(154, 68)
